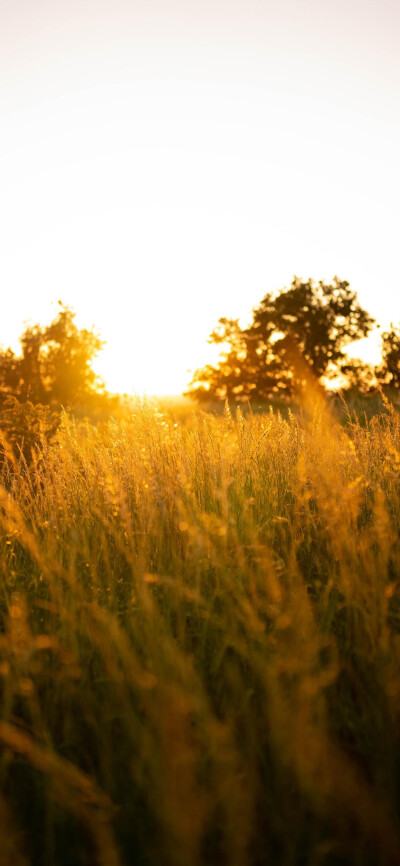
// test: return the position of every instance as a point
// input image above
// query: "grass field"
(200, 643)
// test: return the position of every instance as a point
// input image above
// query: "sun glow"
(155, 194)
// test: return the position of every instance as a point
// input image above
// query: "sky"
(165, 163)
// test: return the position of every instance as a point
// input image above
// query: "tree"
(389, 371)
(55, 365)
(299, 333)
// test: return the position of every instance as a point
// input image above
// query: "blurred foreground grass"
(200, 643)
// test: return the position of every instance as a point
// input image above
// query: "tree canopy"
(389, 372)
(299, 332)
(55, 364)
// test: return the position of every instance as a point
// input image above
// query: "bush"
(27, 428)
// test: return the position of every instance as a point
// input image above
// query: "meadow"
(200, 641)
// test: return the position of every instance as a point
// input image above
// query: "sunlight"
(199, 541)
(152, 224)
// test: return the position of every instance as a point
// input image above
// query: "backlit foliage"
(55, 364)
(295, 335)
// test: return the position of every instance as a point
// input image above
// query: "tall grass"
(200, 643)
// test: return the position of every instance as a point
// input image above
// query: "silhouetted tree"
(389, 371)
(296, 334)
(54, 365)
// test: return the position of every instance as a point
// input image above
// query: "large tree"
(298, 333)
(55, 364)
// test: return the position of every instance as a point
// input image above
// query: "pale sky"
(165, 163)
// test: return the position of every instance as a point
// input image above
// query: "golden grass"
(200, 642)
